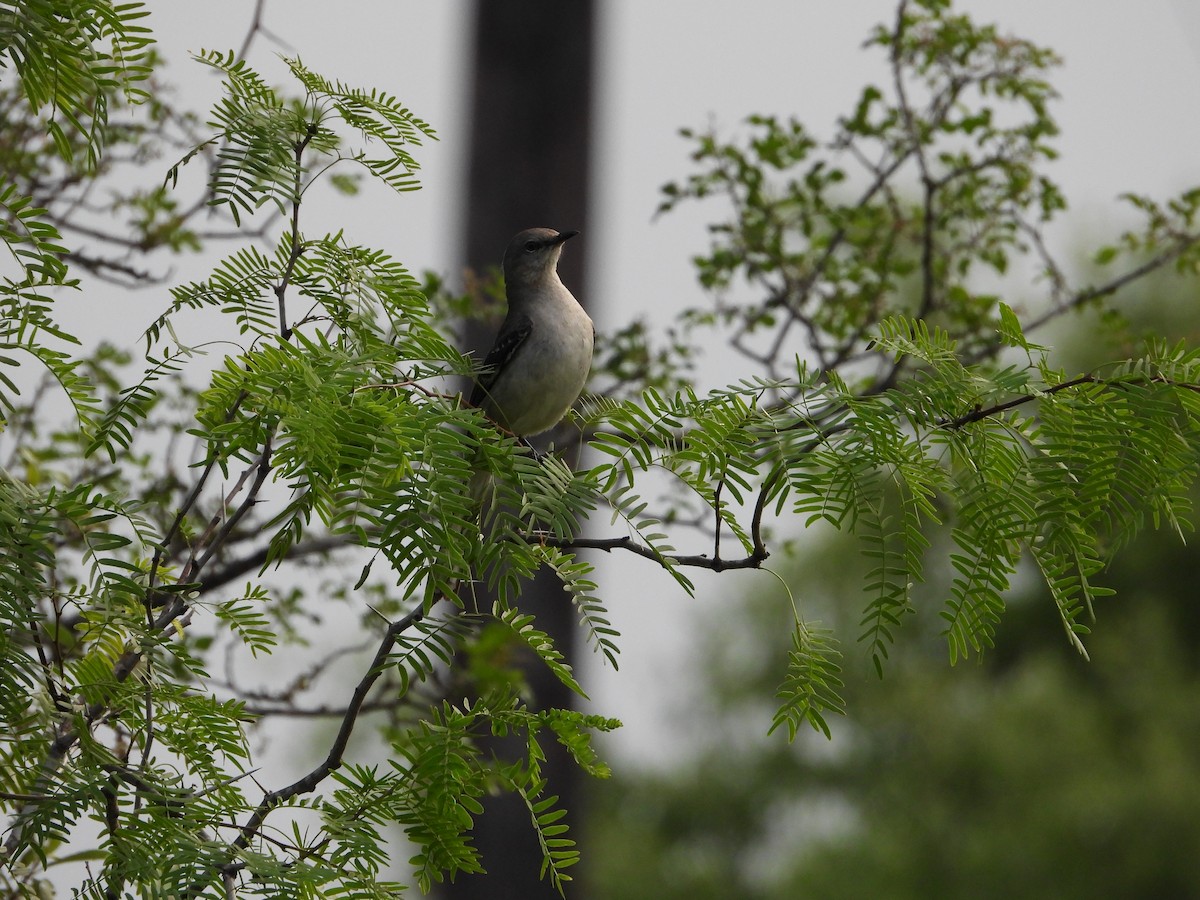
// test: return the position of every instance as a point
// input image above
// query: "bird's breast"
(548, 378)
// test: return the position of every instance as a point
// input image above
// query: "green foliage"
(71, 55)
(909, 416)
(812, 683)
(26, 324)
(339, 418)
(267, 145)
(444, 759)
(824, 231)
(1031, 773)
(884, 395)
(575, 576)
(247, 621)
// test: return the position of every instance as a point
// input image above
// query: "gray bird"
(543, 353)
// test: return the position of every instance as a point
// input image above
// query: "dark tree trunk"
(528, 166)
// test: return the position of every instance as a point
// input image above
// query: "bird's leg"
(537, 454)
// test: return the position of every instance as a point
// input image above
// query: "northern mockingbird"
(543, 353)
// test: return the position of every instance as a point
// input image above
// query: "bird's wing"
(511, 337)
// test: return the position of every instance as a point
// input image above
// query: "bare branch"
(1108, 288)
(256, 560)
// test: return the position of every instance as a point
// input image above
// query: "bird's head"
(533, 253)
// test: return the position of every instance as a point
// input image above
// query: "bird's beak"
(564, 236)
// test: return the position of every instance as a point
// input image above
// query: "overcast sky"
(1129, 114)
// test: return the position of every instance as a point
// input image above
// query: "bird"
(542, 356)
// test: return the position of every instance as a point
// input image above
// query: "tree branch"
(296, 250)
(256, 560)
(333, 760)
(978, 415)
(699, 561)
(1082, 298)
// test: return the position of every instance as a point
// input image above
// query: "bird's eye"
(530, 246)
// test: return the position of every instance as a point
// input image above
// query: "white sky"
(1129, 115)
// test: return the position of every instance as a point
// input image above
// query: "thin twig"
(978, 415)
(1082, 298)
(256, 560)
(255, 27)
(296, 250)
(929, 186)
